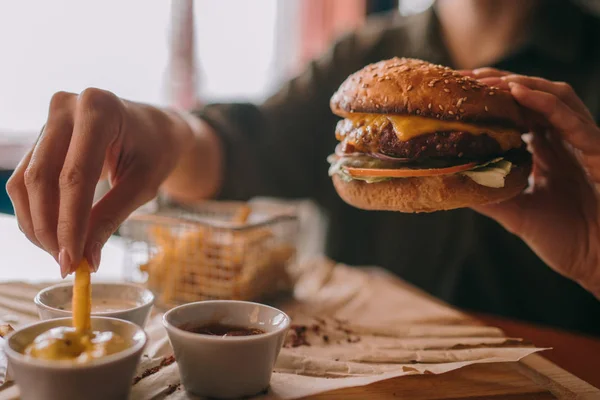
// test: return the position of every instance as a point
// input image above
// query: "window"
(122, 46)
(235, 47)
(48, 46)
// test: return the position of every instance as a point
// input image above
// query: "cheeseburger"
(418, 137)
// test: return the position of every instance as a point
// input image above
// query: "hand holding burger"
(560, 217)
(418, 137)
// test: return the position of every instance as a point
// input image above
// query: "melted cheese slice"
(408, 127)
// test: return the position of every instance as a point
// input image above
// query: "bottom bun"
(431, 193)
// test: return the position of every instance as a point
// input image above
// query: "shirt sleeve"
(279, 148)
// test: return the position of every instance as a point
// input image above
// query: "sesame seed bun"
(433, 193)
(405, 86)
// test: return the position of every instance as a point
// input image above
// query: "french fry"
(194, 262)
(242, 215)
(82, 298)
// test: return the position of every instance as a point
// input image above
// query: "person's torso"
(460, 256)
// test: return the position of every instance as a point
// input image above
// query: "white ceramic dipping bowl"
(136, 301)
(109, 377)
(226, 367)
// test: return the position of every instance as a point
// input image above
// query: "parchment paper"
(351, 327)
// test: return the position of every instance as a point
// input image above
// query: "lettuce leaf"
(491, 173)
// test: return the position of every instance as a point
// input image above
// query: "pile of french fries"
(198, 262)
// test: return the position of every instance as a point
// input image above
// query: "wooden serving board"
(532, 378)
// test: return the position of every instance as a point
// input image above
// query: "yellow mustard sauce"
(65, 343)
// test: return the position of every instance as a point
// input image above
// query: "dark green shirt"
(280, 148)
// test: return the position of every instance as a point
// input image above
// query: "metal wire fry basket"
(214, 250)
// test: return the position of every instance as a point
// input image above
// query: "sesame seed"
(491, 93)
(376, 105)
(462, 110)
(441, 107)
(459, 102)
(486, 108)
(385, 99)
(464, 88)
(446, 81)
(429, 106)
(447, 90)
(450, 112)
(418, 112)
(409, 88)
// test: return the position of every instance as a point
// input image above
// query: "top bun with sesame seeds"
(406, 86)
(419, 137)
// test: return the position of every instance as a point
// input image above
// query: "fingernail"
(65, 263)
(514, 85)
(54, 255)
(96, 254)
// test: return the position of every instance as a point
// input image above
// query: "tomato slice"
(407, 172)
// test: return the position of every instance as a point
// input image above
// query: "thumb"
(111, 210)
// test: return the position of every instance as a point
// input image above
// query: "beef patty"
(431, 145)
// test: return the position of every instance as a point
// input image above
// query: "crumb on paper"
(5, 329)
(297, 337)
(172, 388)
(151, 371)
